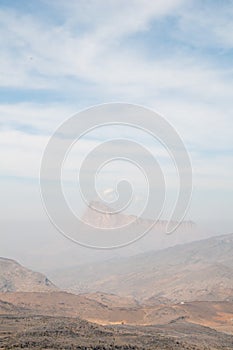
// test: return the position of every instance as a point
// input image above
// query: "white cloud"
(89, 51)
(207, 25)
(38, 53)
(203, 127)
(44, 118)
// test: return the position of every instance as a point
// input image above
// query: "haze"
(59, 57)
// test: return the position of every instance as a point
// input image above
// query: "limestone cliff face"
(102, 217)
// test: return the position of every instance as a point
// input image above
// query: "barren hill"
(43, 332)
(200, 270)
(56, 319)
(16, 278)
(108, 310)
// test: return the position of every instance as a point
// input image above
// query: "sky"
(59, 57)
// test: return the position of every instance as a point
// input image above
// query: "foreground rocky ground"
(45, 332)
(111, 310)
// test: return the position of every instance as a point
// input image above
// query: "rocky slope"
(16, 278)
(111, 310)
(41, 332)
(200, 270)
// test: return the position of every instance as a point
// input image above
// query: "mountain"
(155, 238)
(16, 278)
(208, 322)
(102, 216)
(201, 270)
(58, 319)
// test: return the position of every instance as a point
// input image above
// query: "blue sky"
(174, 56)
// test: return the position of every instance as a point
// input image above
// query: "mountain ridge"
(103, 216)
(200, 270)
(17, 278)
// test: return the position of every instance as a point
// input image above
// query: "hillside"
(41, 332)
(16, 278)
(58, 319)
(52, 320)
(110, 310)
(201, 270)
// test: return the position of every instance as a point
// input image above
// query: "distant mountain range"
(201, 270)
(16, 278)
(102, 216)
(135, 226)
(183, 290)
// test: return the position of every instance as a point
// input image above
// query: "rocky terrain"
(44, 332)
(108, 310)
(178, 298)
(53, 321)
(16, 278)
(100, 215)
(201, 270)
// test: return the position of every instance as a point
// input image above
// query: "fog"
(40, 246)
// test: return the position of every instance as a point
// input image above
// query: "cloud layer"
(175, 56)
